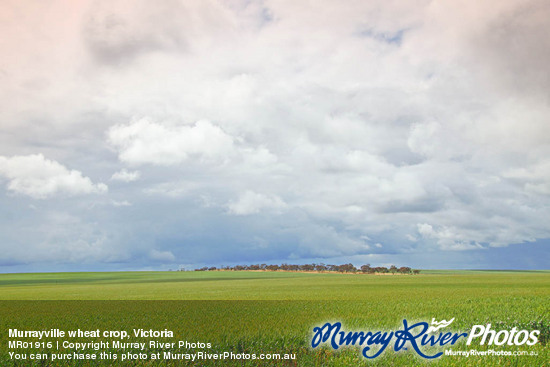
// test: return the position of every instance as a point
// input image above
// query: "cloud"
(41, 178)
(125, 175)
(422, 139)
(116, 32)
(171, 189)
(368, 120)
(60, 236)
(513, 50)
(162, 256)
(121, 203)
(145, 142)
(535, 178)
(448, 238)
(251, 202)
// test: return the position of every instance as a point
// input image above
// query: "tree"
(307, 267)
(365, 268)
(320, 267)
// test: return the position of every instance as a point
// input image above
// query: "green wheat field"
(275, 312)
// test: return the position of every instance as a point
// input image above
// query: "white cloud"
(542, 188)
(125, 175)
(535, 177)
(41, 178)
(171, 189)
(448, 238)
(423, 139)
(143, 142)
(121, 203)
(251, 202)
(426, 230)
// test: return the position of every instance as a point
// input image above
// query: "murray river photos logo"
(417, 336)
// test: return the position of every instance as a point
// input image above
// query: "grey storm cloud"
(117, 32)
(514, 50)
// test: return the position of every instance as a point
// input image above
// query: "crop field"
(275, 312)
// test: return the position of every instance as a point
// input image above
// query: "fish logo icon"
(439, 325)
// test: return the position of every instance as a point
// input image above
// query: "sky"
(141, 135)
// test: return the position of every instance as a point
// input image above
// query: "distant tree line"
(345, 268)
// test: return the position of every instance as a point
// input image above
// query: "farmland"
(275, 312)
